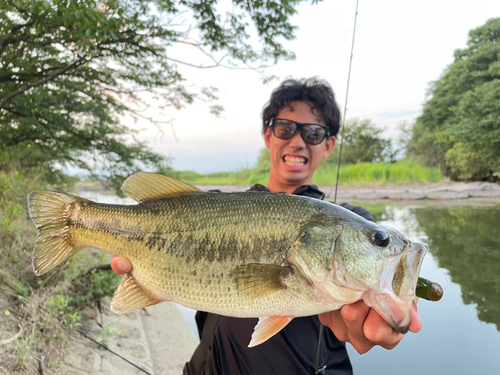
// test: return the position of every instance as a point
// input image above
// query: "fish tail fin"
(51, 212)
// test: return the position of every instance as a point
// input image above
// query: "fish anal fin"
(145, 186)
(257, 280)
(131, 296)
(267, 328)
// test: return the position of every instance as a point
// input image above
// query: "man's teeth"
(294, 160)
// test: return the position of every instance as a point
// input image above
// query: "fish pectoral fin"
(256, 280)
(131, 296)
(145, 186)
(267, 328)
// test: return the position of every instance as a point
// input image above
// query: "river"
(461, 333)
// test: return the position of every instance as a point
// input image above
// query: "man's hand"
(363, 327)
(120, 265)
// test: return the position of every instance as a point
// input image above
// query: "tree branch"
(13, 32)
(39, 83)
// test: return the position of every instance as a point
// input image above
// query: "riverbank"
(368, 192)
(442, 191)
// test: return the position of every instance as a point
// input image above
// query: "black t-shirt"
(223, 349)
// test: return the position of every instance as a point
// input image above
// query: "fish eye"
(381, 238)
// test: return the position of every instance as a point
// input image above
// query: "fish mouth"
(397, 291)
(295, 160)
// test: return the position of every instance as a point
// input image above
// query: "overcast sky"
(400, 47)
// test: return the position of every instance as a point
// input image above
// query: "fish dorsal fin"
(151, 186)
(131, 296)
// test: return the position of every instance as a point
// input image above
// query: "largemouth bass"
(268, 255)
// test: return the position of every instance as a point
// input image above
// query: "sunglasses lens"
(313, 134)
(284, 129)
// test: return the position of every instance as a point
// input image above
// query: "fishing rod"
(345, 105)
(321, 326)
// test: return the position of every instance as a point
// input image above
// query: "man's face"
(293, 161)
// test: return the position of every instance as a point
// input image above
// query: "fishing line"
(321, 326)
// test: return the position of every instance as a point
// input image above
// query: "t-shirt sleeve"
(363, 212)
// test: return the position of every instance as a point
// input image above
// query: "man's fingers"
(335, 322)
(416, 321)
(379, 332)
(120, 265)
(354, 316)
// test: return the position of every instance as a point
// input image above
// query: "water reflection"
(466, 241)
(460, 333)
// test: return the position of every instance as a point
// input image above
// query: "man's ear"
(330, 144)
(267, 136)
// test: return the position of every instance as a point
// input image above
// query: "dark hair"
(314, 91)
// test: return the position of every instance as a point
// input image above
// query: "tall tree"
(70, 68)
(459, 129)
(363, 143)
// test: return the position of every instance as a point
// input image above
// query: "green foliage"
(362, 143)
(14, 187)
(459, 130)
(466, 241)
(476, 150)
(263, 161)
(218, 178)
(70, 69)
(105, 334)
(260, 173)
(60, 306)
(11, 210)
(58, 303)
(73, 320)
(25, 347)
(402, 172)
(80, 286)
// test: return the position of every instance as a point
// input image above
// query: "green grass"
(241, 177)
(402, 172)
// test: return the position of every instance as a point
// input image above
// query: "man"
(300, 123)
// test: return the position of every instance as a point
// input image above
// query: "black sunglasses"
(312, 134)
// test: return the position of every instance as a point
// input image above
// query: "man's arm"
(357, 324)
